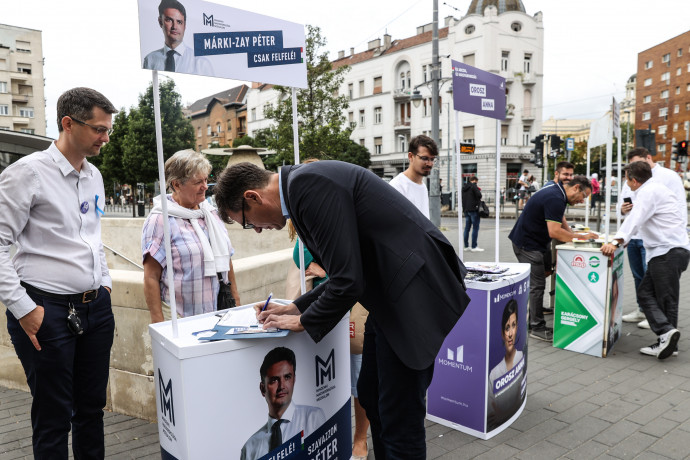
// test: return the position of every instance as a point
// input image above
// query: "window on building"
(3, 86)
(24, 68)
(687, 106)
(664, 94)
(661, 149)
(666, 57)
(198, 131)
(676, 108)
(680, 52)
(378, 85)
(361, 142)
(646, 116)
(504, 134)
(662, 130)
(402, 143)
(469, 30)
(666, 76)
(409, 79)
(468, 134)
(468, 170)
(663, 112)
(648, 65)
(254, 114)
(648, 82)
(219, 128)
(675, 126)
(4, 128)
(378, 145)
(647, 99)
(401, 81)
(468, 59)
(4, 109)
(23, 46)
(361, 117)
(516, 27)
(378, 111)
(208, 130)
(678, 71)
(677, 89)
(3, 64)
(27, 130)
(505, 55)
(350, 91)
(525, 136)
(361, 88)
(351, 119)
(527, 65)
(27, 112)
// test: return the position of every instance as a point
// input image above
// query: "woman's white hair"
(184, 165)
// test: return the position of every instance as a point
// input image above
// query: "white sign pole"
(589, 200)
(164, 202)
(295, 145)
(498, 180)
(459, 184)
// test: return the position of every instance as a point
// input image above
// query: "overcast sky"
(591, 46)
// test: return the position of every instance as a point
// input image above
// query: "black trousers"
(660, 289)
(68, 377)
(393, 396)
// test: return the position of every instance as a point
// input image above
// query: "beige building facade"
(22, 95)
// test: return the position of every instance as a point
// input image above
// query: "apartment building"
(663, 94)
(22, 99)
(220, 118)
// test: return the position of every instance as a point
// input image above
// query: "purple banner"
(458, 390)
(478, 92)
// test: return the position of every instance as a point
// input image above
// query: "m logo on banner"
(325, 369)
(166, 396)
(208, 20)
(457, 355)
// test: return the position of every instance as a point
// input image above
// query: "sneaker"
(477, 249)
(653, 350)
(542, 334)
(668, 343)
(643, 324)
(634, 317)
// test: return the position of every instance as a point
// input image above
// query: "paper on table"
(239, 317)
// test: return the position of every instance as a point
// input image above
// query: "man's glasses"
(427, 159)
(100, 130)
(245, 224)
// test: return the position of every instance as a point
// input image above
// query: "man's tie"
(276, 435)
(170, 61)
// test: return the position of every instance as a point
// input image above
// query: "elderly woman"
(199, 241)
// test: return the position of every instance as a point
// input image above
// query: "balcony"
(401, 95)
(21, 120)
(402, 125)
(20, 98)
(21, 76)
(529, 114)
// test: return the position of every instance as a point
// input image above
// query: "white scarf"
(215, 248)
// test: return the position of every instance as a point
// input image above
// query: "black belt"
(82, 297)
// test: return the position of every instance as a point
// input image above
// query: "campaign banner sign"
(221, 399)
(478, 92)
(203, 38)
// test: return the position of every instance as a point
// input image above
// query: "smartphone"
(627, 199)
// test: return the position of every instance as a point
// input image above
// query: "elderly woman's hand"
(313, 269)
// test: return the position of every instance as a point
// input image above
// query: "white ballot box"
(212, 402)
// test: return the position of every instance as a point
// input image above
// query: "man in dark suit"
(378, 249)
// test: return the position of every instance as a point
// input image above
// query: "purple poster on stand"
(478, 92)
(458, 390)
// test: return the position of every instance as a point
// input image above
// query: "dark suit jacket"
(378, 249)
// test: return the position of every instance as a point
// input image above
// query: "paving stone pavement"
(578, 407)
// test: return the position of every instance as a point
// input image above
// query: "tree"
(139, 157)
(321, 113)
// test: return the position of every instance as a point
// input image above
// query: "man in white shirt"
(635, 247)
(654, 217)
(422, 156)
(175, 56)
(285, 419)
(523, 185)
(57, 286)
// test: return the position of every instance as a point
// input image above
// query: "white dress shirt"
(672, 180)
(416, 193)
(59, 247)
(298, 418)
(185, 61)
(654, 217)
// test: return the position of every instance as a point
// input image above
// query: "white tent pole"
(295, 145)
(164, 202)
(589, 201)
(498, 180)
(458, 182)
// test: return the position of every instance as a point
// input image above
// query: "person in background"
(471, 200)
(201, 248)
(57, 286)
(422, 156)
(596, 190)
(655, 218)
(523, 185)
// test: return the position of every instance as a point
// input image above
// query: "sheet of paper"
(240, 317)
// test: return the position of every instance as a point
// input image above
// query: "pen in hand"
(267, 300)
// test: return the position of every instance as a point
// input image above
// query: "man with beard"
(422, 155)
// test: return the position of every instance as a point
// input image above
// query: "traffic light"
(683, 148)
(538, 151)
(555, 146)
